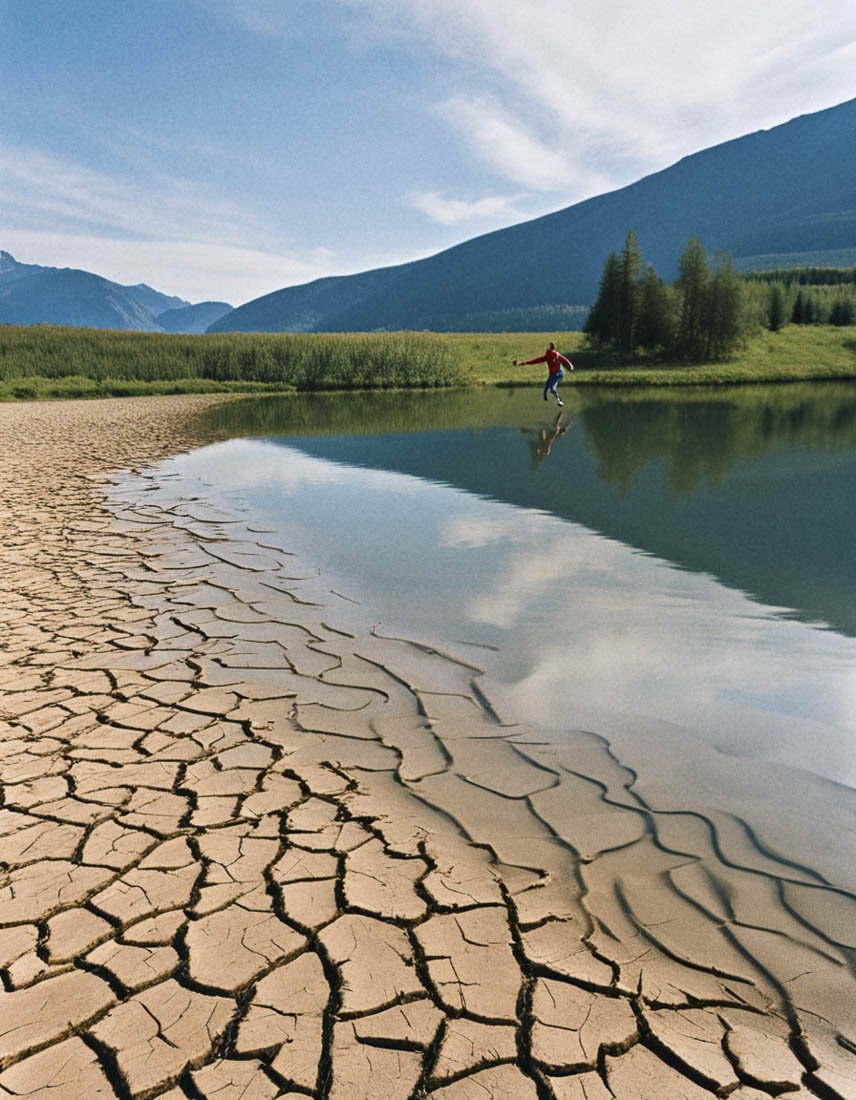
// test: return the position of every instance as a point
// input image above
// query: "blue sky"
(227, 148)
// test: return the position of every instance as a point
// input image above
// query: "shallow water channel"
(678, 557)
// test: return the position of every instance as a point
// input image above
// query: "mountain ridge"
(763, 193)
(783, 196)
(35, 294)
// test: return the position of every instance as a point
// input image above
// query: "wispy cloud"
(162, 230)
(549, 102)
(193, 269)
(613, 88)
(511, 149)
(450, 211)
(37, 186)
(267, 17)
(568, 101)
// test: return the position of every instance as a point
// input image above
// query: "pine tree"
(630, 271)
(655, 329)
(798, 312)
(603, 324)
(842, 312)
(776, 311)
(692, 285)
(723, 310)
(701, 315)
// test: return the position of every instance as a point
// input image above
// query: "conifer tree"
(630, 271)
(701, 315)
(603, 325)
(842, 312)
(692, 285)
(723, 310)
(776, 312)
(655, 329)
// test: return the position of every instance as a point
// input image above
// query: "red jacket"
(552, 358)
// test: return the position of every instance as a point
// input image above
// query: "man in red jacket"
(554, 365)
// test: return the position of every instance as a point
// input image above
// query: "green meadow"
(795, 353)
(43, 361)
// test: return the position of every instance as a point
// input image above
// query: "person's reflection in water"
(541, 445)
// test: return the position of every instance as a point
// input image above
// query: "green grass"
(55, 361)
(796, 353)
(38, 388)
(39, 362)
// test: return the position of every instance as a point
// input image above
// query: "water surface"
(687, 558)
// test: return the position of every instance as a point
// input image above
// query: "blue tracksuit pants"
(552, 381)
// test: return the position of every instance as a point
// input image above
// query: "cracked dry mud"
(246, 854)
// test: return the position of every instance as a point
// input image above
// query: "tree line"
(806, 276)
(543, 318)
(708, 310)
(698, 316)
(806, 303)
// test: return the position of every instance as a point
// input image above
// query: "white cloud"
(447, 211)
(507, 146)
(612, 89)
(267, 17)
(159, 230)
(162, 230)
(194, 269)
(558, 101)
(475, 531)
(38, 187)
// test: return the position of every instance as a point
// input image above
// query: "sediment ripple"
(245, 852)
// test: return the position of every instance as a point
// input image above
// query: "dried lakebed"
(249, 853)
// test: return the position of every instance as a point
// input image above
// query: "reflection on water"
(552, 543)
(752, 485)
(541, 444)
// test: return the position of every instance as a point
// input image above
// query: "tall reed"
(285, 361)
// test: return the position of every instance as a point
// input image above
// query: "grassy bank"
(53, 361)
(42, 361)
(796, 353)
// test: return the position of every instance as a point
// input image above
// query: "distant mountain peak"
(32, 294)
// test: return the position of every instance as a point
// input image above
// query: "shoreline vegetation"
(45, 362)
(707, 314)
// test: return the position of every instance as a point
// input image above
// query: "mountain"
(152, 300)
(193, 318)
(68, 297)
(785, 192)
(31, 294)
(11, 270)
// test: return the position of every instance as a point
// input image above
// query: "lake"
(676, 565)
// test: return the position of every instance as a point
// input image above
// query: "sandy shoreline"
(247, 854)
